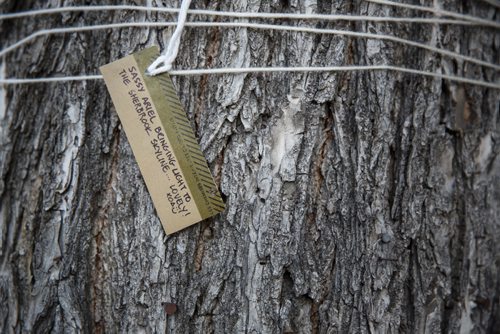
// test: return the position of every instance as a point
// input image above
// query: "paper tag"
(165, 147)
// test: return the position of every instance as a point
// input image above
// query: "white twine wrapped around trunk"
(164, 62)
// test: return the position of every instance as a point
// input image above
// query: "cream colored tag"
(163, 142)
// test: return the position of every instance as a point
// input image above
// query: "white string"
(253, 26)
(18, 81)
(164, 62)
(248, 15)
(438, 11)
(53, 31)
(10, 81)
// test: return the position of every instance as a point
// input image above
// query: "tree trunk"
(364, 202)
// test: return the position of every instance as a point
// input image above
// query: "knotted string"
(164, 62)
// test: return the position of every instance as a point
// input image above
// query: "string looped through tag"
(164, 62)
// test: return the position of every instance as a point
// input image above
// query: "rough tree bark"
(356, 202)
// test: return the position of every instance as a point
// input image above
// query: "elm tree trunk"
(364, 202)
